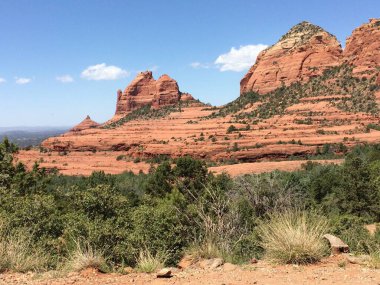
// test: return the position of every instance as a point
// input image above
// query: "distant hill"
(29, 136)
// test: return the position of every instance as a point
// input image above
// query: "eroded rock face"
(305, 51)
(87, 123)
(144, 89)
(137, 94)
(167, 92)
(363, 47)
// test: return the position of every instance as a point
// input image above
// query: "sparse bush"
(121, 157)
(231, 129)
(294, 237)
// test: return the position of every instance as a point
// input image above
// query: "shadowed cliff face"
(306, 51)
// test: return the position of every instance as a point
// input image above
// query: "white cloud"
(22, 80)
(65, 78)
(103, 72)
(239, 59)
(197, 65)
(2, 80)
(154, 68)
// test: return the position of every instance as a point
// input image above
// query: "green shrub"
(231, 129)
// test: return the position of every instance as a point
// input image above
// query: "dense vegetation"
(123, 219)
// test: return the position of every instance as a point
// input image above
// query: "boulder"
(186, 262)
(211, 263)
(164, 273)
(336, 244)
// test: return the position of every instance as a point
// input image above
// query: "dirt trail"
(326, 272)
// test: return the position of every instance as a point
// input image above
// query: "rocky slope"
(326, 102)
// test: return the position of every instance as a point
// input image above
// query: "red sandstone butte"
(144, 89)
(305, 51)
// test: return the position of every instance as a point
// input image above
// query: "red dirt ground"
(329, 271)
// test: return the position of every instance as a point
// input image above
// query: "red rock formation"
(185, 97)
(167, 92)
(144, 89)
(137, 94)
(363, 47)
(87, 123)
(305, 51)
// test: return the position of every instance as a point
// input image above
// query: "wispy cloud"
(198, 65)
(154, 68)
(65, 78)
(22, 80)
(104, 72)
(2, 80)
(239, 59)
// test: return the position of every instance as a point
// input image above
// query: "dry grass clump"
(294, 237)
(205, 250)
(374, 260)
(85, 256)
(148, 263)
(18, 253)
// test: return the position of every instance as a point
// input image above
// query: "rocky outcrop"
(167, 92)
(87, 123)
(305, 51)
(144, 89)
(363, 47)
(138, 93)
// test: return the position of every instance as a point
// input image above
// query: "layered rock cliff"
(305, 51)
(363, 47)
(144, 89)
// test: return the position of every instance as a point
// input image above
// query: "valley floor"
(330, 271)
(84, 163)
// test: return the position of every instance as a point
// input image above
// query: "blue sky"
(62, 60)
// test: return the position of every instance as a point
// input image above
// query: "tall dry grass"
(19, 253)
(294, 237)
(85, 256)
(148, 262)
